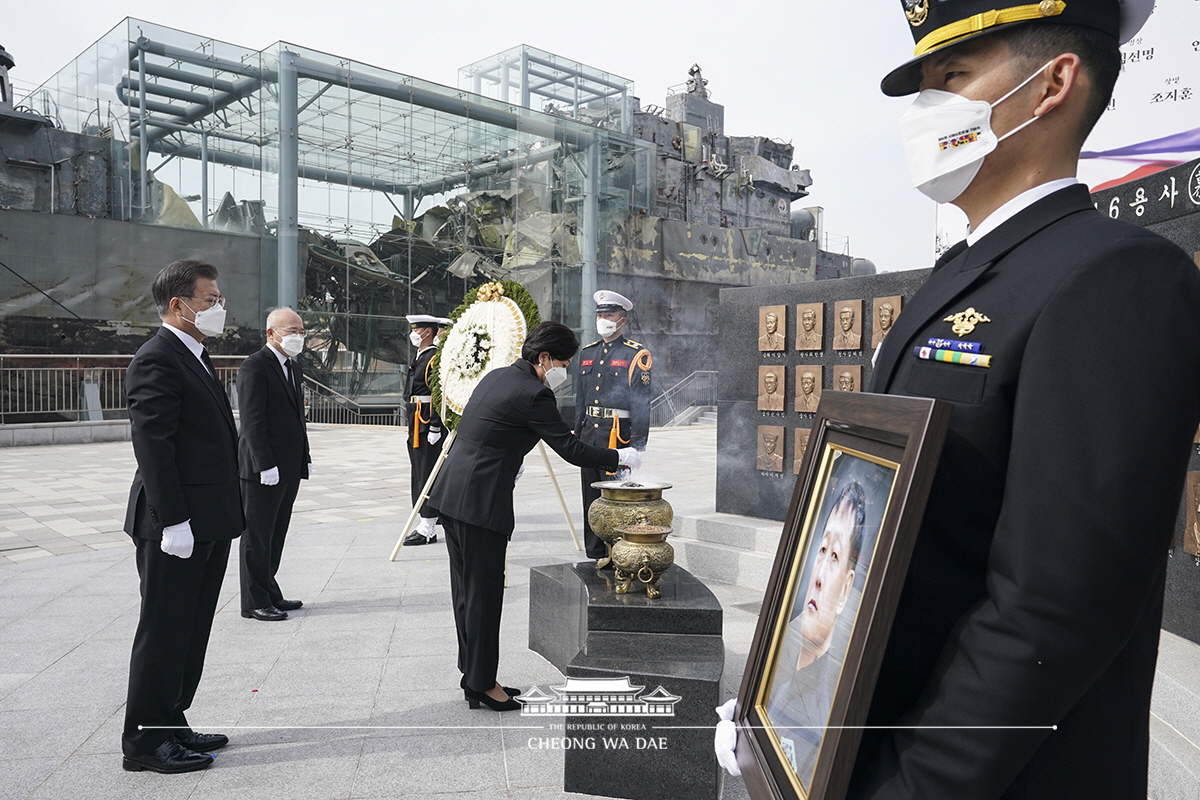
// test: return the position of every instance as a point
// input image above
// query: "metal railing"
(675, 405)
(330, 406)
(70, 388)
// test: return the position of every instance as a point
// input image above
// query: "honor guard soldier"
(612, 406)
(1014, 667)
(425, 431)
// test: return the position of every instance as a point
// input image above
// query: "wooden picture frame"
(811, 670)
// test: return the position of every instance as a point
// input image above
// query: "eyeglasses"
(290, 331)
(217, 300)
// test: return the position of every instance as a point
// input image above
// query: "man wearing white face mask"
(612, 403)
(425, 430)
(1022, 655)
(184, 509)
(273, 456)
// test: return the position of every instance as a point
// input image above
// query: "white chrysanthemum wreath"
(488, 335)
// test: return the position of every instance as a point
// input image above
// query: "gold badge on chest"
(965, 321)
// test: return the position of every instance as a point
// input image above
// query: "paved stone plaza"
(355, 696)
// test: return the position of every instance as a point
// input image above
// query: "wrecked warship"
(549, 172)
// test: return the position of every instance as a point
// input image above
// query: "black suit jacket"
(272, 417)
(508, 412)
(185, 442)
(1034, 594)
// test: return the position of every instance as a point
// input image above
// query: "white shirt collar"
(1015, 206)
(188, 340)
(283, 359)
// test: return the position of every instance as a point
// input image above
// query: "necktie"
(209, 365)
(213, 372)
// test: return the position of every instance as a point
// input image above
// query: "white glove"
(628, 457)
(177, 540)
(725, 739)
(435, 435)
(520, 472)
(269, 477)
(310, 469)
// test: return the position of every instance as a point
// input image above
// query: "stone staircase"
(726, 547)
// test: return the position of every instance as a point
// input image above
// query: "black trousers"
(477, 592)
(179, 598)
(422, 459)
(268, 515)
(593, 544)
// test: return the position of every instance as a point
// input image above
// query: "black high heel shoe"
(508, 690)
(475, 698)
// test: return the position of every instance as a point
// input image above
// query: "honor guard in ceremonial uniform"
(612, 405)
(1022, 655)
(425, 432)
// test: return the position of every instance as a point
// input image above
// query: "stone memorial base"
(616, 744)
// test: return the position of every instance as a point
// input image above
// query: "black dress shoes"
(288, 605)
(169, 757)
(418, 538)
(475, 698)
(508, 690)
(201, 742)
(268, 614)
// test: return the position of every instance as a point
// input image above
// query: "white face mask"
(292, 344)
(210, 321)
(605, 327)
(555, 377)
(415, 338)
(946, 137)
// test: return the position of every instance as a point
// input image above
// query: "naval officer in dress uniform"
(612, 405)
(1022, 656)
(425, 431)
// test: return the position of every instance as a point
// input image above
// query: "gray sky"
(803, 71)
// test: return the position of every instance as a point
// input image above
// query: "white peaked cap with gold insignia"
(611, 301)
(426, 321)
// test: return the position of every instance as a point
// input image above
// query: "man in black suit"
(425, 433)
(273, 458)
(184, 508)
(1022, 656)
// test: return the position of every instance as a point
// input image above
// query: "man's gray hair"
(277, 315)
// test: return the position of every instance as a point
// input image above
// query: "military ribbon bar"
(951, 357)
(951, 344)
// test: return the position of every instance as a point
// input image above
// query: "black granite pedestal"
(579, 624)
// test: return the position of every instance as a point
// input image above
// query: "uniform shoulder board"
(635, 345)
(593, 344)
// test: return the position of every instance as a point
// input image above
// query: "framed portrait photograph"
(810, 322)
(772, 329)
(862, 484)
(771, 381)
(847, 325)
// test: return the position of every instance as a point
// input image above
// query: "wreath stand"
(437, 466)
